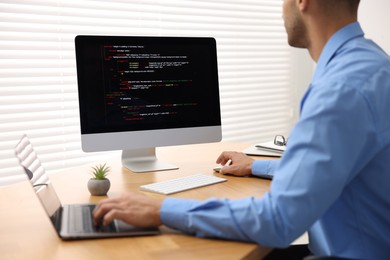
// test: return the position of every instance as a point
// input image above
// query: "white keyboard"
(182, 184)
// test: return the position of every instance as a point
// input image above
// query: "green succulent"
(100, 172)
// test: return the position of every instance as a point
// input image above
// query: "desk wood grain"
(26, 232)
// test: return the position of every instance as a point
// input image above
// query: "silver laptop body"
(73, 221)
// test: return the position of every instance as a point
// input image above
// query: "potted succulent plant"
(99, 185)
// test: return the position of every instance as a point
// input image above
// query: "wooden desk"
(26, 232)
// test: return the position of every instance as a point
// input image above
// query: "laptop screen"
(29, 161)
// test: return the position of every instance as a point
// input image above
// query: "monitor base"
(144, 160)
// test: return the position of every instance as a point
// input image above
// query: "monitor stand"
(144, 160)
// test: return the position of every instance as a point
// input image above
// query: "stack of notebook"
(265, 149)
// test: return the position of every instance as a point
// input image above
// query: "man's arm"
(243, 165)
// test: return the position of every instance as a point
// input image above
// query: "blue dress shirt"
(334, 177)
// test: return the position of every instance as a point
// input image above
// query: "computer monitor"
(139, 93)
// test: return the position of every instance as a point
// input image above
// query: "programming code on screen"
(141, 85)
(146, 83)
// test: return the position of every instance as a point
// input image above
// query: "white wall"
(301, 74)
(375, 18)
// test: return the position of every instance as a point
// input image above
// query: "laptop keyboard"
(81, 220)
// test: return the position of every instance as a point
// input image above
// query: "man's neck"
(321, 30)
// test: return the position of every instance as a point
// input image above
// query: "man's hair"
(350, 5)
(353, 4)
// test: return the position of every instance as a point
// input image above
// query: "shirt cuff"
(263, 168)
(173, 212)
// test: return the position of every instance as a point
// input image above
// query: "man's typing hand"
(133, 208)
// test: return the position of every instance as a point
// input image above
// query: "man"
(333, 179)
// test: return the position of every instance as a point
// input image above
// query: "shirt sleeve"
(264, 168)
(228, 219)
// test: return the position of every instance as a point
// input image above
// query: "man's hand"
(133, 208)
(240, 164)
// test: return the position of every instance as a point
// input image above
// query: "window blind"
(38, 84)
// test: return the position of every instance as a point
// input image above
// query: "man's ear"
(303, 5)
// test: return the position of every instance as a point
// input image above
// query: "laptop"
(73, 221)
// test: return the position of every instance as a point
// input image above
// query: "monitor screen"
(138, 93)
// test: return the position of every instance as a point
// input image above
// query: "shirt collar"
(334, 43)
